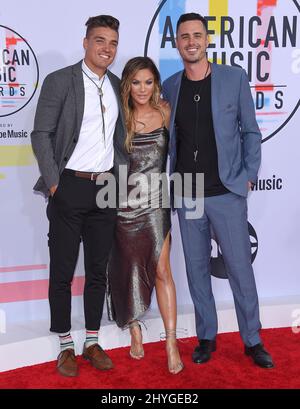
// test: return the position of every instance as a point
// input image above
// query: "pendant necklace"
(197, 98)
(100, 93)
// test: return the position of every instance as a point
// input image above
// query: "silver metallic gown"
(140, 231)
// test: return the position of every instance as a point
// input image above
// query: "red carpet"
(229, 368)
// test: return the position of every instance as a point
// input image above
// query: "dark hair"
(189, 17)
(102, 21)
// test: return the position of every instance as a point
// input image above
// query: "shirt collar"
(90, 72)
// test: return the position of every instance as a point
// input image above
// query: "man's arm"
(47, 114)
(251, 136)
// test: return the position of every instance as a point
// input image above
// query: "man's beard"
(192, 61)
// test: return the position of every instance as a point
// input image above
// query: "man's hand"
(250, 185)
(53, 189)
(162, 103)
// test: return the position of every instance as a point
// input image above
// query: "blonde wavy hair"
(131, 68)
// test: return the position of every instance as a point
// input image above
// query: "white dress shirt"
(92, 153)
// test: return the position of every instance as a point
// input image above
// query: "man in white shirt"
(78, 135)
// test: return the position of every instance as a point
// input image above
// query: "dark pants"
(74, 215)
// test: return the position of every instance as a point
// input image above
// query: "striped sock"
(91, 338)
(66, 341)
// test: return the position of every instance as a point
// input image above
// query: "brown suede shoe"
(97, 357)
(66, 363)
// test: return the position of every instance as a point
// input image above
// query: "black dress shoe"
(202, 352)
(260, 356)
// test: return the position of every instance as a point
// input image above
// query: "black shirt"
(195, 132)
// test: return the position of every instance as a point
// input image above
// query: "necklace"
(138, 121)
(197, 98)
(99, 88)
(100, 93)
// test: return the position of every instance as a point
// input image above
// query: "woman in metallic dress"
(140, 258)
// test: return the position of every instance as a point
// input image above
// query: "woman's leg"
(166, 298)
(136, 349)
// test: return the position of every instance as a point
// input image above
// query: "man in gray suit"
(78, 137)
(214, 131)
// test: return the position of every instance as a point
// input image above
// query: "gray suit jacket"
(238, 137)
(58, 121)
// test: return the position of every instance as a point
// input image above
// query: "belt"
(89, 175)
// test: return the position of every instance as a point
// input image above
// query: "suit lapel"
(174, 99)
(215, 92)
(116, 87)
(79, 93)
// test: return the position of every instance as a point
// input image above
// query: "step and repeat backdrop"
(262, 36)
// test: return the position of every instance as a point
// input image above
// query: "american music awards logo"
(19, 72)
(261, 36)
